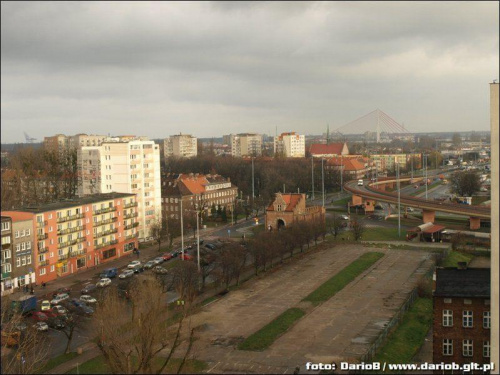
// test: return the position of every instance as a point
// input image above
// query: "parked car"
(410, 209)
(344, 217)
(88, 289)
(160, 270)
(175, 253)
(45, 305)
(210, 246)
(56, 323)
(41, 326)
(109, 273)
(167, 256)
(88, 299)
(150, 264)
(139, 268)
(104, 282)
(60, 310)
(21, 326)
(126, 273)
(63, 290)
(134, 263)
(39, 316)
(187, 257)
(158, 260)
(51, 314)
(59, 298)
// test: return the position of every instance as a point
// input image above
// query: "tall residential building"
(23, 262)
(62, 142)
(6, 255)
(290, 145)
(73, 235)
(246, 144)
(182, 146)
(131, 166)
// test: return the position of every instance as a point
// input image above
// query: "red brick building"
(287, 209)
(75, 234)
(319, 150)
(462, 317)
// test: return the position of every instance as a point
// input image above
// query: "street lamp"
(312, 175)
(399, 201)
(323, 180)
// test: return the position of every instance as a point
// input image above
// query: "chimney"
(462, 265)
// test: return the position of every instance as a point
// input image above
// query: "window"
(18, 262)
(28, 245)
(7, 254)
(5, 225)
(42, 271)
(486, 349)
(22, 233)
(52, 268)
(28, 232)
(18, 247)
(467, 302)
(23, 246)
(64, 268)
(16, 234)
(23, 261)
(467, 348)
(467, 319)
(447, 300)
(447, 318)
(50, 229)
(487, 319)
(60, 252)
(28, 259)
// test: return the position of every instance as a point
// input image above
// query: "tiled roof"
(195, 184)
(348, 163)
(291, 201)
(433, 229)
(330, 149)
(470, 282)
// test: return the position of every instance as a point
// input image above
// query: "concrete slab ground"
(341, 328)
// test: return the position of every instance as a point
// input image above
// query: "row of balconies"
(70, 230)
(6, 246)
(41, 223)
(104, 210)
(130, 226)
(69, 243)
(106, 221)
(44, 262)
(133, 204)
(76, 253)
(113, 242)
(43, 250)
(69, 218)
(105, 233)
(134, 214)
(131, 236)
(42, 236)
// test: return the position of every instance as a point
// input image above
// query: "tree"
(334, 226)
(207, 265)
(156, 229)
(70, 324)
(186, 281)
(456, 140)
(465, 183)
(435, 159)
(357, 228)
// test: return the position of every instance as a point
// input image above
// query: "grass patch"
(407, 339)
(454, 257)
(257, 228)
(478, 199)
(98, 366)
(208, 300)
(264, 337)
(375, 234)
(56, 361)
(335, 284)
(342, 202)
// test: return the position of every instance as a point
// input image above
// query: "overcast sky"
(209, 69)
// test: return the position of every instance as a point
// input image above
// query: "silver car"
(125, 274)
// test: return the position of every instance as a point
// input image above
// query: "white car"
(134, 263)
(344, 217)
(88, 299)
(60, 309)
(104, 282)
(59, 298)
(41, 326)
(45, 305)
(411, 209)
(126, 273)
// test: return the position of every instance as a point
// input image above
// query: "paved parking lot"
(342, 327)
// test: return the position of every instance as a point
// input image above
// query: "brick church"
(289, 208)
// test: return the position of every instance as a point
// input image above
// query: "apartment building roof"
(468, 282)
(67, 203)
(323, 149)
(348, 163)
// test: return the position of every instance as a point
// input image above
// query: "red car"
(39, 316)
(167, 256)
(186, 257)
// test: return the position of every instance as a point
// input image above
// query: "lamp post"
(198, 239)
(341, 174)
(182, 232)
(425, 158)
(253, 184)
(399, 201)
(323, 180)
(312, 176)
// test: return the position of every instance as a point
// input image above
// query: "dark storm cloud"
(214, 68)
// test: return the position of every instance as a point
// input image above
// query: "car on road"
(344, 217)
(149, 264)
(138, 269)
(187, 257)
(88, 289)
(60, 310)
(45, 305)
(41, 326)
(134, 263)
(160, 270)
(59, 298)
(175, 253)
(360, 182)
(166, 256)
(104, 282)
(410, 209)
(39, 316)
(63, 290)
(126, 273)
(109, 273)
(56, 323)
(88, 299)
(158, 260)
(210, 246)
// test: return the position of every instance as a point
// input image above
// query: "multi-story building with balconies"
(61, 142)
(23, 264)
(245, 144)
(290, 145)
(130, 166)
(181, 146)
(76, 234)
(6, 256)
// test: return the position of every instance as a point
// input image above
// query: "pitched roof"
(349, 164)
(291, 201)
(470, 282)
(433, 229)
(195, 184)
(330, 149)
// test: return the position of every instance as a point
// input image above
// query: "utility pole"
(253, 184)
(399, 201)
(182, 232)
(198, 238)
(312, 175)
(411, 160)
(323, 180)
(426, 157)
(341, 174)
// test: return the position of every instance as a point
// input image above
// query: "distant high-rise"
(124, 165)
(60, 142)
(246, 144)
(182, 146)
(290, 145)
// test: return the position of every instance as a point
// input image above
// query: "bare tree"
(156, 229)
(357, 228)
(207, 265)
(186, 282)
(334, 226)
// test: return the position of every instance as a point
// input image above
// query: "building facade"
(73, 235)
(181, 146)
(388, 162)
(330, 150)
(23, 262)
(131, 166)
(6, 256)
(287, 209)
(246, 144)
(462, 315)
(60, 142)
(290, 145)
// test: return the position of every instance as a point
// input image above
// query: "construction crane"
(28, 138)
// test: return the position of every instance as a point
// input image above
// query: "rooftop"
(469, 282)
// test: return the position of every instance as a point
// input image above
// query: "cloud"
(216, 67)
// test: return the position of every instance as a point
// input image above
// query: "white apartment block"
(246, 144)
(291, 145)
(182, 146)
(62, 142)
(131, 166)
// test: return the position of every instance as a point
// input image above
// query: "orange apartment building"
(76, 234)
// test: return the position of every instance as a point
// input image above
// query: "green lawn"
(478, 199)
(264, 337)
(342, 202)
(258, 228)
(376, 234)
(56, 361)
(404, 343)
(454, 257)
(335, 284)
(98, 366)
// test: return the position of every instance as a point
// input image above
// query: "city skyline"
(209, 69)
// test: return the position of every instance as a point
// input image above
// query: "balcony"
(133, 204)
(130, 236)
(63, 257)
(129, 216)
(43, 250)
(114, 242)
(76, 253)
(104, 210)
(71, 230)
(105, 233)
(43, 263)
(5, 275)
(6, 246)
(70, 243)
(106, 221)
(69, 218)
(130, 226)
(41, 223)
(42, 236)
